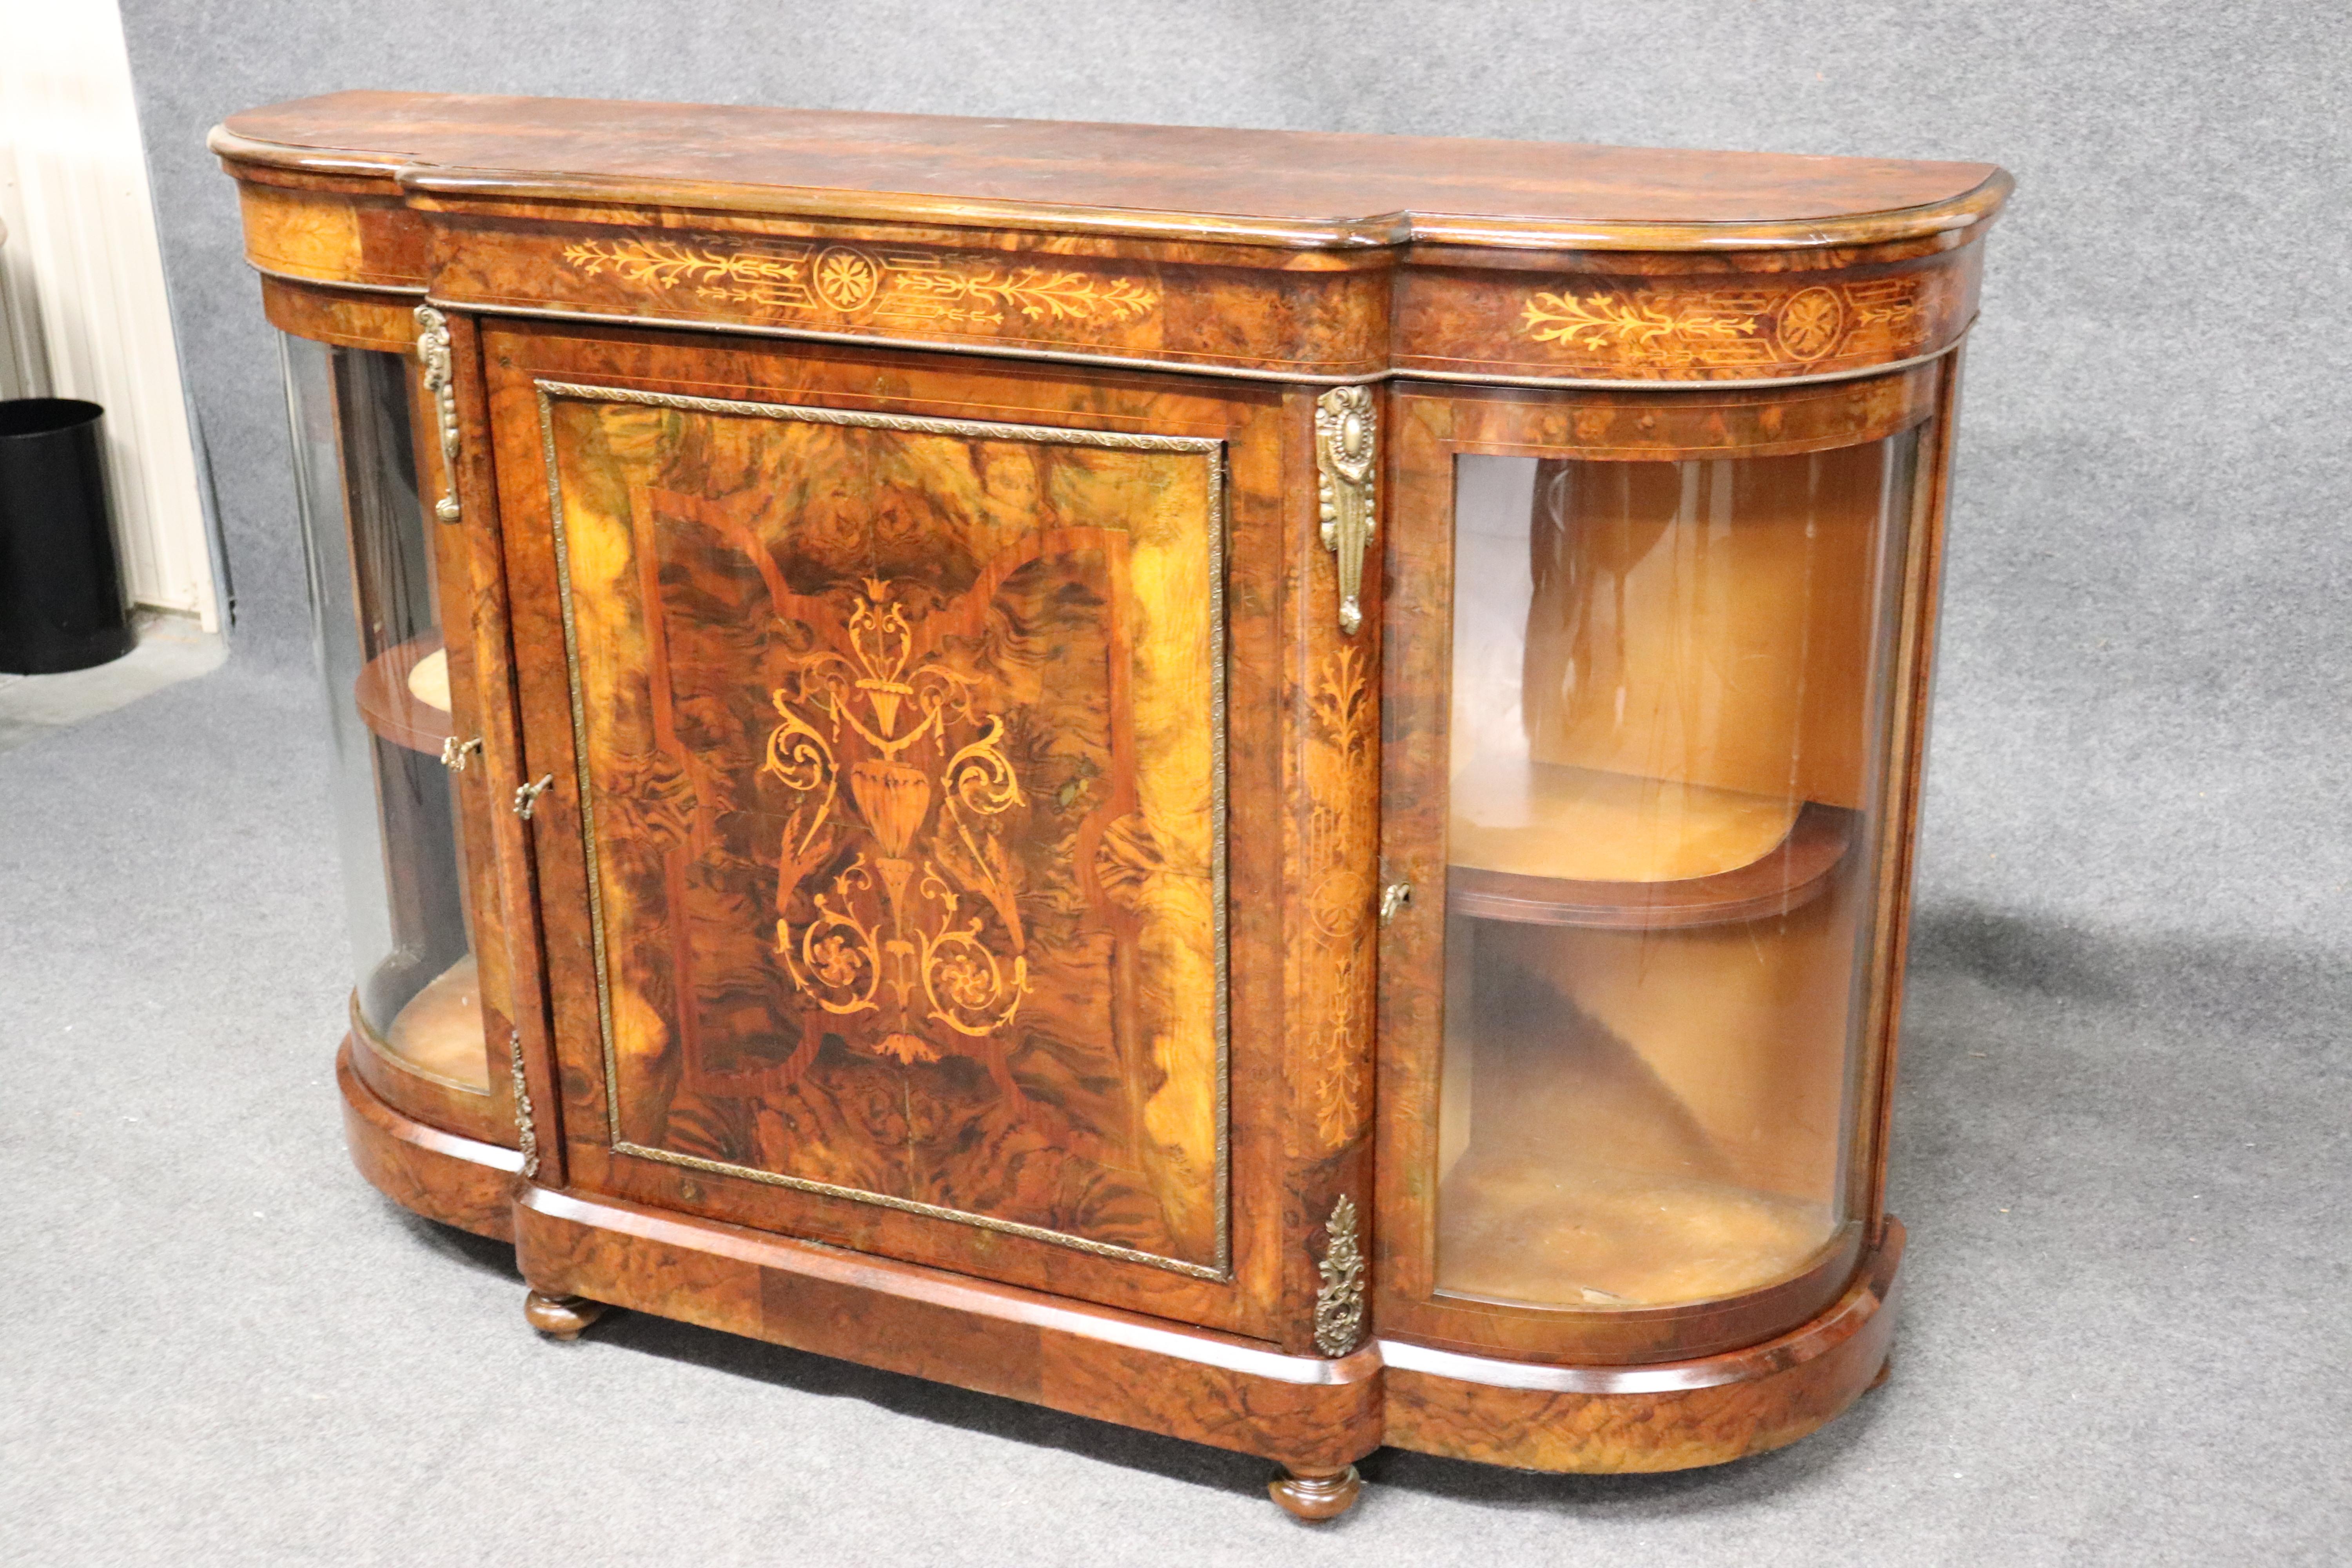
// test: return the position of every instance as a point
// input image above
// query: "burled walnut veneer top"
(1282, 187)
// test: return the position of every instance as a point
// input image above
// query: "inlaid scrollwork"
(904, 928)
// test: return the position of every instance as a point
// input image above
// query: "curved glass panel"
(1670, 698)
(376, 621)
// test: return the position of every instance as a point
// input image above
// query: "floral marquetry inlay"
(902, 756)
(897, 931)
(1341, 844)
(891, 288)
(1725, 328)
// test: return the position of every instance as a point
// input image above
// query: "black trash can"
(60, 585)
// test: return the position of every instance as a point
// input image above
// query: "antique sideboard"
(1258, 784)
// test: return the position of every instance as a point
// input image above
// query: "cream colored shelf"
(440, 1031)
(1545, 845)
(1542, 1233)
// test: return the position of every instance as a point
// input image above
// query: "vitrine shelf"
(1259, 784)
(398, 706)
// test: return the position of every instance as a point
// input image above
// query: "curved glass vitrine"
(399, 769)
(1670, 697)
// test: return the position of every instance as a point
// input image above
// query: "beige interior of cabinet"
(1658, 666)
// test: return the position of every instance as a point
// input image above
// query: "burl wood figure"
(1257, 785)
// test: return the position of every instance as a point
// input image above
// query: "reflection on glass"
(377, 627)
(1670, 689)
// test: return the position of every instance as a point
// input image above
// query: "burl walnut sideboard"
(1257, 785)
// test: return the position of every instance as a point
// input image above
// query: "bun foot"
(561, 1317)
(1315, 1494)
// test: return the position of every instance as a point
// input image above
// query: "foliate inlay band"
(432, 353)
(1756, 328)
(888, 285)
(1345, 448)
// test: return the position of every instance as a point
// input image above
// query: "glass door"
(401, 768)
(1654, 766)
(1668, 700)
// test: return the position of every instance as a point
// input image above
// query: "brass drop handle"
(455, 751)
(526, 798)
(432, 353)
(1394, 897)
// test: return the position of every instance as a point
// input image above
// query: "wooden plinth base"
(458, 1180)
(1210, 1387)
(1312, 1416)
(1674, 1416)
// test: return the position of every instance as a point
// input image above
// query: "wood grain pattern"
(473, 644)
(1660, 426)
(385, 323)
(1298, 187)
(508, 936)
(1340, 852)
(886, 834)
(332, 236)
(1015, 295)
(1090, 1361)
(902, 747)
(457, 1180)
(1250, 253)
(1670, 1416)
(1249, 423)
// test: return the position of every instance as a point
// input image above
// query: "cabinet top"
(1288, 188)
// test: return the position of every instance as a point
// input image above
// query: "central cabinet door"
(884, 873)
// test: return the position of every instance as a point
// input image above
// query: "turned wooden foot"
(561, 1317)
(1316, 1495)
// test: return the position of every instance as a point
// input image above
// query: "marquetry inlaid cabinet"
(1257, 785)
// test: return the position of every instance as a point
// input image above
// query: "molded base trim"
(1142, 1372)
(1674, 1415)
(1312, 1414)
(456, 1180)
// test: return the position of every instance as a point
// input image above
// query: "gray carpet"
(2120, 1154)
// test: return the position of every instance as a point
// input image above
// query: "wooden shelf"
(393, 710)
(1791, 875)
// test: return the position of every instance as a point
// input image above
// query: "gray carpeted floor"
(2121, 1159)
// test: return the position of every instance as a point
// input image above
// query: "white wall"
(82, 308)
